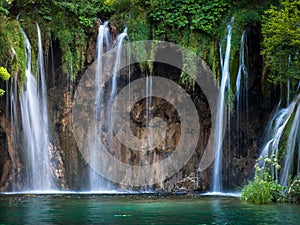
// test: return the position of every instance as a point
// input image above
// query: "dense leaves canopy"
(281, 40)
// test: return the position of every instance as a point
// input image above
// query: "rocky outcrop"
(4, 157)
(10, 165)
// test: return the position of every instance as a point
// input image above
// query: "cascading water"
(148, 110)
(241, 94)
(293, 139)
(149, 135)
(217, 176)
(119, 43)
(276, 129)
(97, 183)
(35, 124)
(15, 122)
(42, 86)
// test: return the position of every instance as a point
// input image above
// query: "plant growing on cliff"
(201, 15)
(264, 188)
(4, 75)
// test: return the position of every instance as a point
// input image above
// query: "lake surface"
(140, 209)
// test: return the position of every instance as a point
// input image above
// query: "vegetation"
(293, 191)
(264, 188)
(194, 24)
(281, 40)
(5, 76)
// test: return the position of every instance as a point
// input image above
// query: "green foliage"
(293, 193)
(69, 21)
(188, 65)
(202, 15)
(242, 19)
(4, 75)
(4, 7)
(264, 188)
(257, 192)
(85, 12)
(281, 40)
(3, 11)
(192, 24)
(12, 49)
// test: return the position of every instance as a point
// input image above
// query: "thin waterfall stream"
(217, 175)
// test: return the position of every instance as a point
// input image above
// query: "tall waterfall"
(241, 93)
(35, 123)
(217, 176)
(97, 182)
(15, 120)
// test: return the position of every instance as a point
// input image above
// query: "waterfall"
(43, 90)
(97, 182)
(275, 130)
(148, 110)
(294, 136)
(241, 93)
(217, 176)
(120, 40)
(15, 122)
(119, 43)
(35, 123)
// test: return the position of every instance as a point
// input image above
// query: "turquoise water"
(140, 209)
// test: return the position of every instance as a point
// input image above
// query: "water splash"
(217, 176)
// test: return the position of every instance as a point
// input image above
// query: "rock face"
(71, 168)
(4, 158)
(10, 166)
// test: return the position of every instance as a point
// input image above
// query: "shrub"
(5, 76)
(264, 188)
(293, 193)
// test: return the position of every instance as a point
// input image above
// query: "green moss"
(12, 48)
